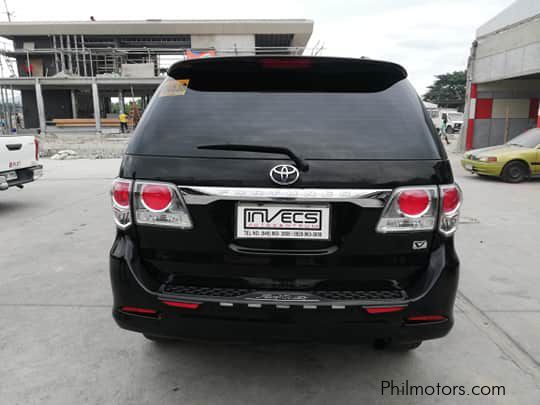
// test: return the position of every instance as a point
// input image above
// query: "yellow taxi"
(514, 162)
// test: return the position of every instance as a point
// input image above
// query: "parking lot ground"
(59, 344)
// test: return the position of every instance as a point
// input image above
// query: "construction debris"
(66, 154)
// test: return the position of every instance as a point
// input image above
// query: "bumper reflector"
(383, 310)
(426, 318)
(186, 305)
(136, 310)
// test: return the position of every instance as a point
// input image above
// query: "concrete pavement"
(59, 344)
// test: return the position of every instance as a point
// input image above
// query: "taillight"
(410, 209)
(36, 144)
(120, 196)
(160, 204)
(154, 203)
(156, 197)
(414, 203)
(417, 209)
(120, 193)
(451, 202)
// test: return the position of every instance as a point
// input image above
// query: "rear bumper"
(433, 294)
(26, 175)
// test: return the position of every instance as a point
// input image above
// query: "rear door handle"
(14, 146)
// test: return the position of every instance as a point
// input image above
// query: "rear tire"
(515, 172)
(449, 130)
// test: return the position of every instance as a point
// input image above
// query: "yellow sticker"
(174, 88)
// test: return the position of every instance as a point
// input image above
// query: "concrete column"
(121, 101)
(56, 59)
(74, 106)
(40, 106)
(84, 56)
(62, 57)
(4, 109)
(97, 111)
(9, 109)
(70, 56)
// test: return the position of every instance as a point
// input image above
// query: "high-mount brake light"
(160, 204)
(286, 63)
(120, 196)
(410, 209)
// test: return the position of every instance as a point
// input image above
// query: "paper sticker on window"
(174, 88)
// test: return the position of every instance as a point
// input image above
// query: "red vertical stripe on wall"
(474, 89)
(470, 135)
(484, 108)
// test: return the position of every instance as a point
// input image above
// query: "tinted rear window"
(388, 124)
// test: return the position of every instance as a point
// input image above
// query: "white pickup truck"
(19, 160)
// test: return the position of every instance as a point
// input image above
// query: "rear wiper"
(300, 163)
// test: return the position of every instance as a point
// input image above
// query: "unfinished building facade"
(71, 70)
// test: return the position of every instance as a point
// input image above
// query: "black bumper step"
(257, 298)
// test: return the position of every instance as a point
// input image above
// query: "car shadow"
(280, 370)
(9, 207)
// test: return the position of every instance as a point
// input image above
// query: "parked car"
(19, 161)
(274, 197)
(454, 121)
(453, 118)
(514, 162)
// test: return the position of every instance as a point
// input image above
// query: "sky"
(427, 37)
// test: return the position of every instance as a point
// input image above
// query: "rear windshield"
(388, 124)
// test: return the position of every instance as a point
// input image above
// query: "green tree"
(448, 90)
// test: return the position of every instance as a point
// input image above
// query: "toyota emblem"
(284, 175)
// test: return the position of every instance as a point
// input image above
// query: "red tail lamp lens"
(413, 203)
(383, 310)
(121, 193)
(156, 197)
(187, 305)
(136, 310)
(426, 318)
(451, 199)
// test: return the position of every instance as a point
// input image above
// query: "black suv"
(285, 198)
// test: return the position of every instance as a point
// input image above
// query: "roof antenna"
(7, 12)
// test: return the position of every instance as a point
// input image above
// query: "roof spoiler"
(288, 73)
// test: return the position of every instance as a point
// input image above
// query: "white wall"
(516, 12)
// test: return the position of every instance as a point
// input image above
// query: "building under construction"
(68, 72)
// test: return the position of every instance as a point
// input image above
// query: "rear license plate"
(282, 221)
(10, 176)
(469, 167)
